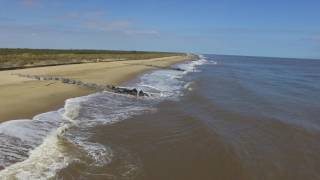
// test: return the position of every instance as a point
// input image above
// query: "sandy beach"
(23, 98)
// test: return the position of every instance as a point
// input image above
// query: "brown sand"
(22, 98)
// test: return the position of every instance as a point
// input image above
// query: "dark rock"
(94, 86)
(109, 86)
(79, 83)
(85, 85)
(141, 93)
(90, 85)
(178, 69)
(72, 81)
(133, 91)
(64, 80)
(44, 78)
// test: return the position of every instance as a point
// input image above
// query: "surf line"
(93, 86)
(155, 66)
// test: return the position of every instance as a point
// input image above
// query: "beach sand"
(22, 98)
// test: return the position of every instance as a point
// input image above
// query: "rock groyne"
(93, 86)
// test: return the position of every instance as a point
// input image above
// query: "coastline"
(23, 98)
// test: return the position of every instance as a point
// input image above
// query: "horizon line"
(185, 52)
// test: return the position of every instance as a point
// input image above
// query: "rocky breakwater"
(93, 86)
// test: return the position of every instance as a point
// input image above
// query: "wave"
(50, 142)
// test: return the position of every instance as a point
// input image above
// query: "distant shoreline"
(11, 59)
(22, 98)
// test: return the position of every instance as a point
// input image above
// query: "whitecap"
(36, 149)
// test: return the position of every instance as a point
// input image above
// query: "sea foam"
(41, 147)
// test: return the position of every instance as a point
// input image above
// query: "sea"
(222, 118)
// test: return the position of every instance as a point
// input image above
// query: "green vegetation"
(24, 58)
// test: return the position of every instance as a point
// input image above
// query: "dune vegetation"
(25, 58)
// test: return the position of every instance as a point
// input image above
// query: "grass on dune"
(22, 58)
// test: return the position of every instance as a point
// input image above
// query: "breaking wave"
(41, 147)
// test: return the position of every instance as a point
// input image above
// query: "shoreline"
(23, 98)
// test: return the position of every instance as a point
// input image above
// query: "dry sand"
(22, 98)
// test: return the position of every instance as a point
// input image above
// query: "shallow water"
(226, 117)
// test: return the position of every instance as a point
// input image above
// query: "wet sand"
(23, 98)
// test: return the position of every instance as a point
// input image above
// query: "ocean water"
(224, 117)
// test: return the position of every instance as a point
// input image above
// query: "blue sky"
(282, 28)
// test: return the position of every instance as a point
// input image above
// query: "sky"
(277, 28)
